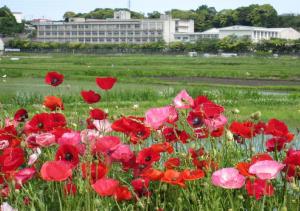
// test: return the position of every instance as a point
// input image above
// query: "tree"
(264, 15)
(68, 15)
(154, 15)
(226, 18)
(8, 23)
(204, 17)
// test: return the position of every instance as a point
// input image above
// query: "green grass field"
(142, 81)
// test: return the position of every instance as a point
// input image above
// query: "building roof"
(251, 28)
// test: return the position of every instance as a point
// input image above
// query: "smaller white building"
(1, 45)
(18, 16)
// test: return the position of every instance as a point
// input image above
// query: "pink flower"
(105, 187)
(24, 175)
(74, 139)
(228, 178)
(183, 100)
(33, 157)
(266, 169)
(45, 139)
(104, 126)
(122, 153)
(6, 207)
(4, 144)
(156, 117)
(215, 123)
(89, 136)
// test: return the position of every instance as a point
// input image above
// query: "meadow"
(172, 159)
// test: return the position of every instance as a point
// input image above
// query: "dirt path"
(234, 81)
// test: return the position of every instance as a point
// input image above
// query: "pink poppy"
(45, 139)
(228, 178)
(122, 153)
(215, 123)
(266, 169)
(74, 139)
(89, 136)
(106, 187)
(103, 126)
(56, 171)
(156, 117)
(183, 100)
(24, 175)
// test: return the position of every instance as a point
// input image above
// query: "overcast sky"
(54, 9)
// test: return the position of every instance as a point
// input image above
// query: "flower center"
(68, 156)
(54, 81)
(197, 121)
(40, 125)
(140, 134)
(148, 158)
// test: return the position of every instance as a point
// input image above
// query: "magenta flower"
(122, 153)
(215, 123)
(45, 139)
(72, 138)
(228, 178)
(24, 175)
(183, 100)
(266, 169)
(157, 117)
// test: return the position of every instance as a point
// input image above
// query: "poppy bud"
(229, 135)
(235, 111)
(256, 115)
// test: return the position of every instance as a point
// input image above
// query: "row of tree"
(228, 44)
(208, 17)
(8, 23)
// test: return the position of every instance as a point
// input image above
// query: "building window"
(54, 33)
(48, 33)
(54, 27)
(81, 40)
(101, 39)
(116, 33)
(88, 39)
(74, 33)
(137, 26)
(123, 39)
(67, 33)
(87, 26)
(80, 33)
(137, 33)
(137, 39)
(95, 39)
(87, 33)
(41, 33)
(101, 33)
(95, 33)
(108, 40)
(81, 26)
(109, 33)
(152, 39)
(130, 33)
(116, 39)
(48, 27)
(74, 26)
(61, 33)
(123, 33)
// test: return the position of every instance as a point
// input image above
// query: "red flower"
(94, 171)
(40, 123)
(69, 154)
(8, 137)
(122, 193)
(279, 129)
(276, 144)
(58, 120)
(152, 174)
(243, 168)
(196, 119)
(147, 156)
(24, 175)
(259, 188)
(106, 187)
(54, 78)
(242, 130)
(106, 83)
(11, 159)
(162, 147)
(21, 115)
(98, 114)
(90, 96)
(173, 177)
(141, 186)
(53, 103)
(260, 157)
(56, 171)
(189, 175)
(70, 189)
(172, 163)
(292, 162)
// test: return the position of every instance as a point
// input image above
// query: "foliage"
(8, 23)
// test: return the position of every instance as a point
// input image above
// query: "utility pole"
(129, 4)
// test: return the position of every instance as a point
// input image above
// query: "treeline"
(208, 17)
(228, 44)
(8, 23)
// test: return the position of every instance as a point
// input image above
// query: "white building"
(1, 45)
(18, 16)
(120, 29)
(254, 33)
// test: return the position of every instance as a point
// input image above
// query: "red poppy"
(40, 123)
(172, 163)
(196, 119)
(260, 157)
(141, 187)
(276, 144)
(189, 175)
(98, 114)
(90, 96)
(56, 171)
(53, 103)
(292, 162)
(11, 159)
(162, 147)
(242, 130)
(68, 153)
(208, 108)
(106, 187)
(21, 115)
(122, 193)
(58, 120)
(54, 78)
(147, 156)
(94, 170)
(243, 168)
(8, 137)
(70, 188)
(152, 174)
(279, 129)
(106, 83)
(173, 177)
(259, 188)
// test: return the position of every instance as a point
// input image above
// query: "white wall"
(1, 45)
(18, 17)
(289, 33)
(225, 33)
